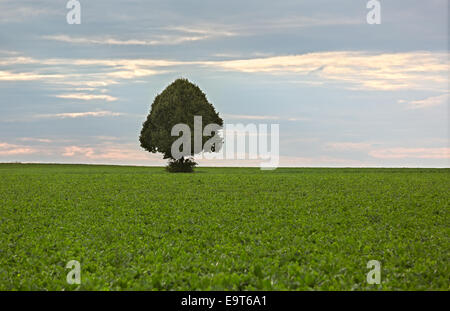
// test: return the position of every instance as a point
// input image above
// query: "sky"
(345, 93)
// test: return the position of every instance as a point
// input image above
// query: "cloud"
(162, 40)
(250, 117)
(345, 146)
(11, 149)
(72, 115)
(8, 61)
(182, 34)
(134, 73)
(261, 117)
(125, 153)
(296, 22)
(107, 138)
(355, 70)
(428, 102)
(26, 76)
(82, 72)
(9, 52)
(84, 96)
(92, 84)
(360, 70)
(34, 139)
(12, 13)
(258, 26)
(391, 153)
(418, 153)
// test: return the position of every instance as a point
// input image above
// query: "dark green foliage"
(178, 103)
(141, 228)
(181, 165)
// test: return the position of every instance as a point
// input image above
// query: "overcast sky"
(344, 92)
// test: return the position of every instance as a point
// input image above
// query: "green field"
(141, 228)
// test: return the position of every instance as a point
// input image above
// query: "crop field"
(141, 228)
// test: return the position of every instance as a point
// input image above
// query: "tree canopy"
(178, 103)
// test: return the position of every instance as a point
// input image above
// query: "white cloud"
(418, 153)
(8, 52)
(183, 34)
(34, 139)
(428, 102)
(94, 72)
(112, 153)
(11, 149)
(390, 153)
(359, 70)
(8, 61)
(345, 146)
(355, 70)
(12, 13)
(72, 115)
(26, 76)
(84, 96)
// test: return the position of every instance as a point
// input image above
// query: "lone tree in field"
(178, 103)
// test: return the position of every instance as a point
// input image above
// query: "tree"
(178, 103)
